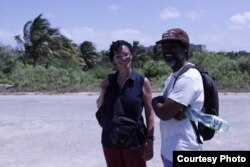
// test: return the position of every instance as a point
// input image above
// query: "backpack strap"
(182, 71)
(198, 137)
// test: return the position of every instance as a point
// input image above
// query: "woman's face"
(122, 57)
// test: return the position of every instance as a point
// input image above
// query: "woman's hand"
(104, 84)
(149, 150)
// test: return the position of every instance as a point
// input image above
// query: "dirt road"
(61, 131)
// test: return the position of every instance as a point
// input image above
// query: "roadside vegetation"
(46, 61)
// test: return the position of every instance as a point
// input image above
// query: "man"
(177, 132)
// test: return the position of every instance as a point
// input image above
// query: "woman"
(134, 92)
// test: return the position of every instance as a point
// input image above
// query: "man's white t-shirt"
(180, 135)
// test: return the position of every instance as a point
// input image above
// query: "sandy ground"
(61, 131)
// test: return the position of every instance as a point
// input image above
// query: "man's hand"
(179, 116)
(156, 100)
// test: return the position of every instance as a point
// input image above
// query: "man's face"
(171, 48)
(171, 52)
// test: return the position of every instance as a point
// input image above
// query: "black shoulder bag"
(125, 129)
(100, 114)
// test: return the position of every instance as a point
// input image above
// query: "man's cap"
(175, 34)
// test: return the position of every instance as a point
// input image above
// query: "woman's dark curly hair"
(115, 46)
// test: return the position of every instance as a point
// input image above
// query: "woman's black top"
(131, 97)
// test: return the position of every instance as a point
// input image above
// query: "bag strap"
(118, 109)
(182, 71)
(198, 137)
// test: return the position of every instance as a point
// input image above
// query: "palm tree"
(37, 36)
(42, 41)
(88, 54)
(63, 47)
(141, 54)
(157, 55)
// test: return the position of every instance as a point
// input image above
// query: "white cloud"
(66, 33)
(169, 13)
(132, 35)
(85, 31)
(193, 15)
(5, 34)
(8, 37)
(241, 18)
(239, 21)
(224, 41)
(78, 34)
(122, 33)
(235, 27)
(103, 39)
(215, 27)
(113, 7)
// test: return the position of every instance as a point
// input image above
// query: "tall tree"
(141, 54)
(157, 55)
(37, 36)
(42, 41)
(88, 54)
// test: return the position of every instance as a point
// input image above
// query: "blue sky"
(222, 25)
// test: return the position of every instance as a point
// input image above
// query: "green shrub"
(153, 69)
(158, 83)
(230, 70)
(27, 78)
(100, 72)
(8, 60)
(229, 73)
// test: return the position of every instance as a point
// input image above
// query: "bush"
(230, 70)
(27, 78)
(228, 73)
(158, 83)
(152, 69)
(8, 60)
(100, 72)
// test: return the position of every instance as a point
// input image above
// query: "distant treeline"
(46, 60)
(83, 72)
